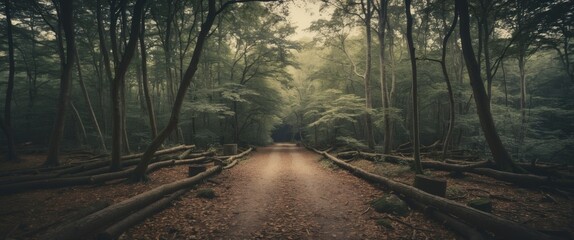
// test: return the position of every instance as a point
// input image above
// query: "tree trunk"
(105, 56)
(145, 85)
(140, 171)
(65, 18)
(486, 33)
(451, 115)
(522, 73)
(89, 103)
(118, 81)
(415, 133)
(369, 136)
(83, 139)
(384, 90)
(8, 130)
(501, 156)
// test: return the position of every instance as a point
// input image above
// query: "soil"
(280, 192)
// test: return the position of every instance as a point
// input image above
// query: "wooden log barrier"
(430, 185)
(101, 219)
(501, 227)
(229, 149)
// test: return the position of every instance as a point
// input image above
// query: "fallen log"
(497, 225)
(89, 225)
(87, 180)
(198, 160)
(240, 155)
(233, 160)
(527, 180)
(40, 184)
(454, 167)
(114, 231)
(68, 218)
(347, 154)
(228, 166)
(189, 154)
(160, 152)
(25, 178)
(461, 228)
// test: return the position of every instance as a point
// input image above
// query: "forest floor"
(281, 192)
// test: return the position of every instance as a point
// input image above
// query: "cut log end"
(431, 185)
(229, 149)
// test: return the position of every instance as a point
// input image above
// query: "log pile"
(143, 205)
(97, 172)
(499, 226)
(480, 168)
(110, 222)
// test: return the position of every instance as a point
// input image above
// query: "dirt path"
(286, 192)
(280, 192)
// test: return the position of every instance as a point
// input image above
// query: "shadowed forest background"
(252, 77)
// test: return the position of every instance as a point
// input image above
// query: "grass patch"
(455, 193)
(391, 204)
(207, 193)
(326, 163)
(388, 224)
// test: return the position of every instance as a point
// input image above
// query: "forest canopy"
(126, 76)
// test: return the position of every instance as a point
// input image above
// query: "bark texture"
(497, 225)
(481, 99)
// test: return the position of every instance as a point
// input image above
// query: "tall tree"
(7, 123)
(139, 173)
(89, 103)
(382, 26)
(451, 113)
(499, 153)
(64, 10)
(118, 81)
(368, 10)
(145, 84)
(415, 132)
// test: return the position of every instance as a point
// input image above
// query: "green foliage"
(207, 193)
(352, 142)
(391, 204)
(333, 107)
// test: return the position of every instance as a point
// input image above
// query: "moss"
(327, 163)
(388, 224)
(390, 204)
(482, 204)
(454, 192)
(206, 193)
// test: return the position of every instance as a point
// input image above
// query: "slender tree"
(89, 103)
(7, 123)
(118, 81)
(382, 25)
(368, 10)
(145, 85)
(65, 10)
(451, 113)
(415, 133)
(501, 156)
(139, 173)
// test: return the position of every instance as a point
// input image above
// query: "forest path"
(283, 191)
(278, 192)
